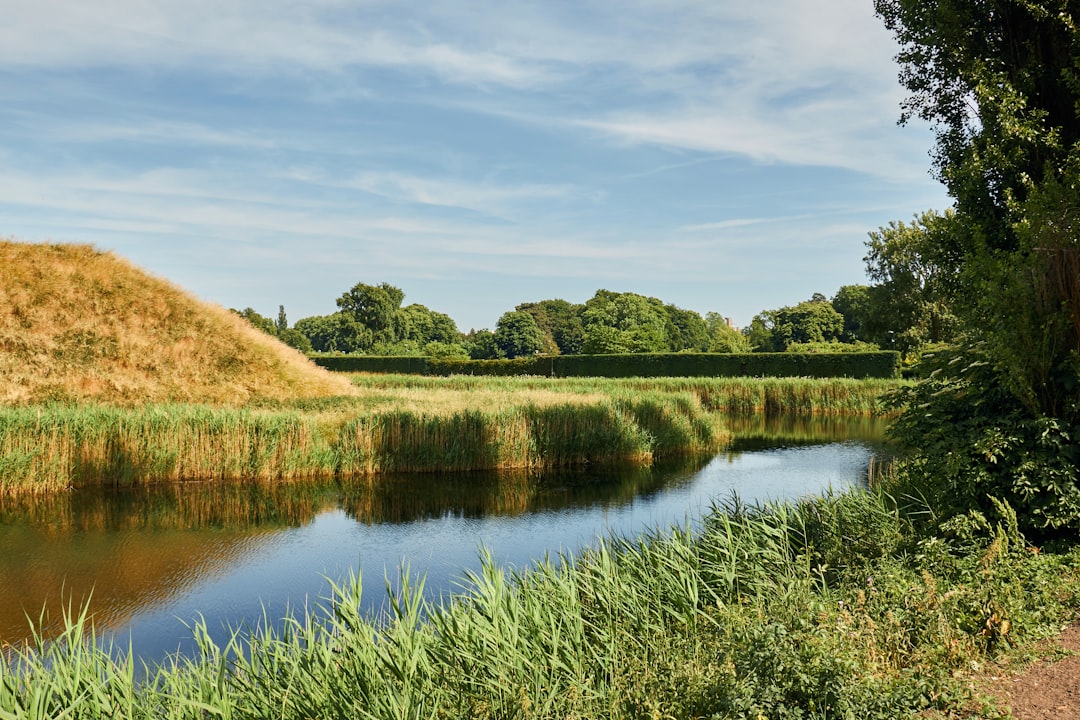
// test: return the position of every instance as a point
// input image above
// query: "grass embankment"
(842, 606)
(78, 324)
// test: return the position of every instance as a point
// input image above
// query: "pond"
(151, 560)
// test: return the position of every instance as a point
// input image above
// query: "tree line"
(908, 307)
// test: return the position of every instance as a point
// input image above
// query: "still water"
(150, 561)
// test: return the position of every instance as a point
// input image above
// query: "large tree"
(811, 321)
(1000, 82)
(911, 301)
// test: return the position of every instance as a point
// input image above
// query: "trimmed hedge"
(885, 364)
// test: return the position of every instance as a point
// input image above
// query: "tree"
(686, 330)
(517, 334)
(1000, 82)
(853, 303)
(482, 346)
(911, 303)
(722, 337)
(624, 322)
(560, 322)
(375, 308)
(811, 321)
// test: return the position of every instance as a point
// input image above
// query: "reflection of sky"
(290, 568)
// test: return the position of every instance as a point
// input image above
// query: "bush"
(978, 444)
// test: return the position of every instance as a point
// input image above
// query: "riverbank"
(844, 606)
(398, 423)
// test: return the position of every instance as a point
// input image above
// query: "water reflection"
(155, 557)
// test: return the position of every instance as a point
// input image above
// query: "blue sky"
(722, 156)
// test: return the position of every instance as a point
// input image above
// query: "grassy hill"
(78, 324)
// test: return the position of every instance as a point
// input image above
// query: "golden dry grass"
(79, 324)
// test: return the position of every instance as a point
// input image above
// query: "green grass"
(832, 607)
(728, 395)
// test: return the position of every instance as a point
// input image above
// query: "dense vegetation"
(398, 424)
(998, 420)
(771, 365)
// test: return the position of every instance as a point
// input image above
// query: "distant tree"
(481, 345)
(723, 338)
(911, 301)
(279, 329)
(561, 324)
(333, 333)
(686, 330)
(376, 309)
(421, 325)
(624, 322)
(517, 334)
(811, 321)
(295, 339)
(853, 302)
(258, 321)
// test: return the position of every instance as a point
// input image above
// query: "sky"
(720, 155)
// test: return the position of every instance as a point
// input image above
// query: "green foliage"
(853, 303)
(1000, 81)
(811, 321)
(881, 364)
(517, 335)
(977, 444)
(624, 323)
(279, 328)
(561, 324)
(722, 337)
(910, 304)
(686, 331)
(482, 346)
(374, 308)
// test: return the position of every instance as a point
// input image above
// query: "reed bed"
(812, 610)
(841, 396)
(48, 448)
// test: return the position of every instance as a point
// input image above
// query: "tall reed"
(48, 448)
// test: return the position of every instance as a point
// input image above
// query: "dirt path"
(1046, 690)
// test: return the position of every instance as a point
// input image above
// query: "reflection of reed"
(409, 497)
(751, 430)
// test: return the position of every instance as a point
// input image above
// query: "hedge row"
(820, 365)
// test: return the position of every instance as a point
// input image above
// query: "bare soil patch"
(1047, 690)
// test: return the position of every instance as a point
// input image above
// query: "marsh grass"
(725, 395)
(47, 448)
(832, 607)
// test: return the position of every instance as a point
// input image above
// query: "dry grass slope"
(78, 324)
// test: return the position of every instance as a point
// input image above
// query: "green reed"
(810, 610)
(727, 395)
(48, 448)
